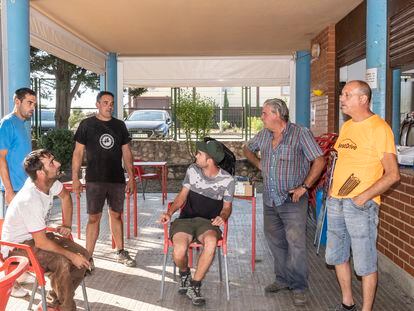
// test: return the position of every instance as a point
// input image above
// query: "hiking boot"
(184, 283)
(123, 257)
(275, 287)
(194, 293)
(299, 298)
(340, 307)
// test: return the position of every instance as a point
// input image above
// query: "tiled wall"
(396, 228)
(323, 78)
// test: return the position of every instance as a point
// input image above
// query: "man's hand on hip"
(359, 200)
(297, 193)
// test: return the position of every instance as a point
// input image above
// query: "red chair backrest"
(13, 267)
(34, 264)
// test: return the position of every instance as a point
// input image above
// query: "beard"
(58, 175)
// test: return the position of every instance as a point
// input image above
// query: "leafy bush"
(76, 116)
(225, 125)
(195, 117)
(256, 124)
(60, 142)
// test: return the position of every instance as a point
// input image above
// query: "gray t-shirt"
(206, 193)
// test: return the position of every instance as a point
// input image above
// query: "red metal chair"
(326, 142)
(12, 267)
(38, 271)
(221, 244)
(143, 176)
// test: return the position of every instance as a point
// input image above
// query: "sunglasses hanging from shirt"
(350, 184)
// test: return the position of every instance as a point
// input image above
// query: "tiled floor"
(115, 287)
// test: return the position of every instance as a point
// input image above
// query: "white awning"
(50, 37)
(205, 71)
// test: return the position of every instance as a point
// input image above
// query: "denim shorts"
(352, 227)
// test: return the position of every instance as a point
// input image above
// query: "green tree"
(195, 116)
(226, 105)
(135, 92)
(69, 78)
(60, 142)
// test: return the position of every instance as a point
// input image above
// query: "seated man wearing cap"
(206, 198)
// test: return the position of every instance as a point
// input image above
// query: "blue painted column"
(102, 82)
(303, 88)
(111, 78)
(18, 47)
(396, 104)
(377, 51)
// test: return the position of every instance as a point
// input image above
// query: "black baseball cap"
(213, 148)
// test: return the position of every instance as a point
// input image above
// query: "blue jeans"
(285, 232)
(352, 227)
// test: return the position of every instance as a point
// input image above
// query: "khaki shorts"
(193, 226)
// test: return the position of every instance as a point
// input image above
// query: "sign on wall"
(371, 77)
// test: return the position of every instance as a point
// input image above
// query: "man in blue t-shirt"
(15, 144)
(206, 202)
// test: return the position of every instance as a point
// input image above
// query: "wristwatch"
(305, 186)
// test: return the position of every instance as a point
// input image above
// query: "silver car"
(149, 123)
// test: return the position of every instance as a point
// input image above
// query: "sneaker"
(184, 283)
(340, 307)
(26, 278)
(123, 257)
(18, 291)
(275, 287)
(194, 293)
(299, 298)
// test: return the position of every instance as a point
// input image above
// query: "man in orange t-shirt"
(366, 167)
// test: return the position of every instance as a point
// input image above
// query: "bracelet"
(67, 227)
(305, 186)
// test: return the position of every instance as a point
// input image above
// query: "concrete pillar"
(17, 47)
(396, 104)
(377, 51)
(302, 91)
(111, 79)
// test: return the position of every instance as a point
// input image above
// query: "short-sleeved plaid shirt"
(286, 166)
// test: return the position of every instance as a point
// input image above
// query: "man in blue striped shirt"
(291, 162)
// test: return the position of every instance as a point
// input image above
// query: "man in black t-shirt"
(106, 141)
(206, 197)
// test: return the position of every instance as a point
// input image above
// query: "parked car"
(47, 121)
(149, 123)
